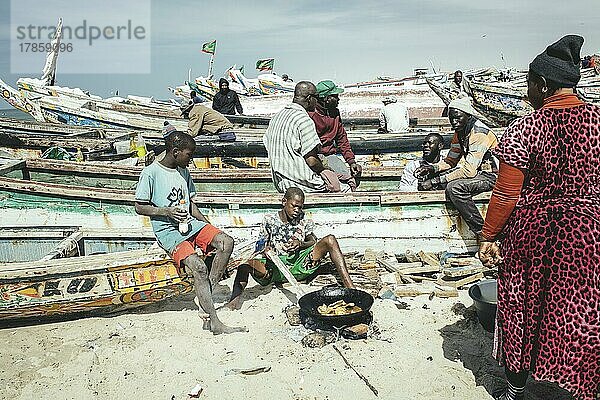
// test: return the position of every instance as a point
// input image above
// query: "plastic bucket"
(485, 297)
(122, 147)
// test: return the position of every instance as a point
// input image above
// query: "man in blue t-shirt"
(164, 194)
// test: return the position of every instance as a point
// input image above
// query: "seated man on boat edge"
(393, 117)
(432, 147)
(333, 136)
(164, 194)
(293, 146)
(472, 141)
(291, 237)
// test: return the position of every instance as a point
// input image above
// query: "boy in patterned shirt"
(291, 237)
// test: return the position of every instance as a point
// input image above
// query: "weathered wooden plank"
(11, 166)
(84, 265)
(461, 282)
(64, 247)
(199, 175)
(463, 270)
(417, 289)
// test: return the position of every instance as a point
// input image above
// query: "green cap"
(326, 88)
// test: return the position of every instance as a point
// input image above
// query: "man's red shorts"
(201, 239)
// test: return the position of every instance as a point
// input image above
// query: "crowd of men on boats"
(308, 146)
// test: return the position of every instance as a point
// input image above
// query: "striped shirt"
(291, 135)
(476, 151)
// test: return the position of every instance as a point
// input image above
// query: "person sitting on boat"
(293, 147)
(164, 193)
(332, 134)
(286, 78)
(226, 101)
(329, 98)
(432, 147)
(195, 98)
(291, 237)
(457, 86)
(393, 117)
(472, 141)
(205, 121)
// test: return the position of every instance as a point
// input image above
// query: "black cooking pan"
(328, 295)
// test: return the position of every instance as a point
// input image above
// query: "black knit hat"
(559, 63)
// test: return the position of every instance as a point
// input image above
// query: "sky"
(344, 40)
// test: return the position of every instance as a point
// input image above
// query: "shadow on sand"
(468, 342)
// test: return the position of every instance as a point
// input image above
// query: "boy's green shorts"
(300, 264)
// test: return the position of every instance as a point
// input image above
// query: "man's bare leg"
(329, 244)
(241, 281)
(223, 243)
(202, 286)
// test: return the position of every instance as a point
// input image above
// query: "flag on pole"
(209, 47)
(265, 65)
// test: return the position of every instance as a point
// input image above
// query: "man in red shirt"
(334, 139)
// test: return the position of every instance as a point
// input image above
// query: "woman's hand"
(489, 254)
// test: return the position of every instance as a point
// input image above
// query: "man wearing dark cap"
(332, 134)
(226, 101)
(545, 213)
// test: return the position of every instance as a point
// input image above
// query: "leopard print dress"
(548, 319)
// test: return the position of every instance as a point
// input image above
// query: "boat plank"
(11, 166)
(98, 263)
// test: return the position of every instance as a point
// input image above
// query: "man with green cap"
(332, 134)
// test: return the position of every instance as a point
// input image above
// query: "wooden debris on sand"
(409, 275)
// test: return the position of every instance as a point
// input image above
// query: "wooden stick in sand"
(361, 376)
(297, 288)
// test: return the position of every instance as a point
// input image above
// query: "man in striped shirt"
(477, 174)
(293, 144)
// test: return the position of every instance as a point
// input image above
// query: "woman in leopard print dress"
(545, 209)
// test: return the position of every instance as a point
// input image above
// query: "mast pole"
(210, 65)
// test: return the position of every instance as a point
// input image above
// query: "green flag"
(209, 47)
(265, 65)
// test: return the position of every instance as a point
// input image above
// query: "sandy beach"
(426, 351)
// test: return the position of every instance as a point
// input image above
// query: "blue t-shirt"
(166, 187)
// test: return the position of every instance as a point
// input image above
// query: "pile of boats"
(108, 261)
(501, 99)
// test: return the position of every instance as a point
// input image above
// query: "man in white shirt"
(293, 145)
(393, 117)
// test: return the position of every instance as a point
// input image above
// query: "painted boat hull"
(390, 221)
(135, 276)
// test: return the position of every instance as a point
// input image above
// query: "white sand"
(161, 353)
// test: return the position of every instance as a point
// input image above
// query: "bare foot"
(217, 328)
(235, 304)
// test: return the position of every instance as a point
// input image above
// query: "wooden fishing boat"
(376, 217)
(499, 103)
(54, 271)
(248, 144)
